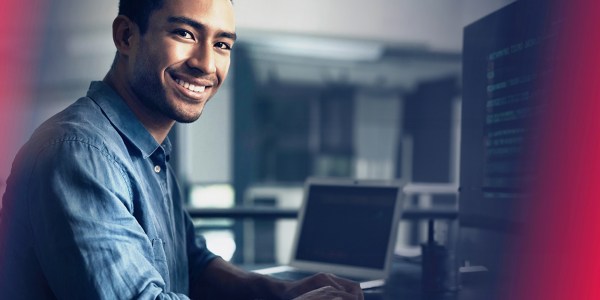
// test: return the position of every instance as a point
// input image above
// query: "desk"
(404, 283)
(253, 212)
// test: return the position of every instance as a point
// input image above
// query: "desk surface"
(241, 212)
(404, 283)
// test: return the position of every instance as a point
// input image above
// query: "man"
(92, 209)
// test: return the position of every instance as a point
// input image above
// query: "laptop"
(347, 228)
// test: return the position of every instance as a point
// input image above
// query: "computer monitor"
(504, 62)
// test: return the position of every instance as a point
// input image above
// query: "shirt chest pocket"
(160, 260)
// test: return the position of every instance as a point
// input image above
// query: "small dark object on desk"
(440, 274)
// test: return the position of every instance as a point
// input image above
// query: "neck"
(157, 125)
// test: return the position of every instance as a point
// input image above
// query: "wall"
(78, 47)
(435, 23)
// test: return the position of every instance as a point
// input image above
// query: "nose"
(203, 59)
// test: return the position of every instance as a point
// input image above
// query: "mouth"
(192, 87)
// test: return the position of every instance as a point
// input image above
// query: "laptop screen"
(347, 225)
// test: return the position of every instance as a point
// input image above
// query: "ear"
(124, 31)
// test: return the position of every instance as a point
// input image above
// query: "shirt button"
(157, 169)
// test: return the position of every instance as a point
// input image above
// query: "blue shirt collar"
(124, 120)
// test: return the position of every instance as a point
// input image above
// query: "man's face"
(183, 57)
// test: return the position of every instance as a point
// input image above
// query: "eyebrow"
(200, 27)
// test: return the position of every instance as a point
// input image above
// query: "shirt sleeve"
(198, 255)
(89, 244)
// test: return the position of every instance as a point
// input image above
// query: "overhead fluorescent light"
(317, 47)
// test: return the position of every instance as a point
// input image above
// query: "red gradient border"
(560, 256)
(21, 27)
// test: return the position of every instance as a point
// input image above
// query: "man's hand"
(327, 292)
(323, 286)
(222, 280)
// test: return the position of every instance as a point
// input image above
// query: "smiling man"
(92, 208)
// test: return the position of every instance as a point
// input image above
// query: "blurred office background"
(339, 88)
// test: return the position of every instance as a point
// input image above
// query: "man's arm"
(222, 280)
(88, 243)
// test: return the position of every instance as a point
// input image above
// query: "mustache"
(194, 73)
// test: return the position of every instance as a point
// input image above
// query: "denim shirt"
(92, 210)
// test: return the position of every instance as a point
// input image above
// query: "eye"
(184, 34)
(222, 45)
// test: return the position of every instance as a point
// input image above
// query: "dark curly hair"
(139, 11)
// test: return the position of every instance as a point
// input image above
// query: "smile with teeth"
(189, 86)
